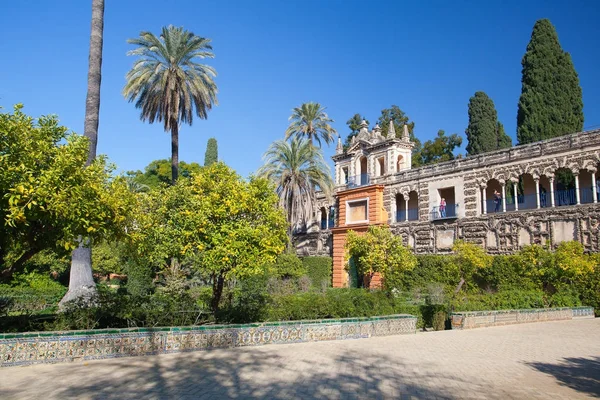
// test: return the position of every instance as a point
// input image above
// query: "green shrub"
(139, 279)
(566, 297)
(504, 300)
(588, 287)
(289, 265)
(248, 301)
(319, 270)
(431, 268)
(506, 272)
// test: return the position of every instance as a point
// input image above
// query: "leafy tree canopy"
(158, 172)
(49, 197)
(230, 228)
(469, 258)
(551, 102)
(379, 250)
(439, 149)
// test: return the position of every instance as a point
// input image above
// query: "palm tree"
(167, 83)
(310, 121)
(297, 168)
(81, 281)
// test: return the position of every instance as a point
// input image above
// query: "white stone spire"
(392, 131)
(339, 148)
(405, 135)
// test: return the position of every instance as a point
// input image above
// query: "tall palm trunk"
(174, 152)
(81, 281)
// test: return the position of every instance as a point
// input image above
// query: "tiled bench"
(53, 347)
(480, 319)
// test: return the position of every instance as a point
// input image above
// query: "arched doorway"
(564, 195)
(492, 202)
(323, 218)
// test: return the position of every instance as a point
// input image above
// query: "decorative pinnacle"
(405, 134)
(339, 149)
(364, 125)
(392, 130)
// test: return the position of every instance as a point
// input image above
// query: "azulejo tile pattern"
(53, 347)
(480, 319)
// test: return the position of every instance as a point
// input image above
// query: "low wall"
(52, 347)
(481, 319)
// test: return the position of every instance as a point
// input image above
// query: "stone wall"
(53, 347)
(316, 243)
(506, 233)
(481, 319)
(474, 179)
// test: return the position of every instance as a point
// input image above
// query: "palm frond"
(310, 121)
(296, 168)
(167, 83)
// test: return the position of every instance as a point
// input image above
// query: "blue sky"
(351, 56)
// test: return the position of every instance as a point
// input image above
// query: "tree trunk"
(217, 292)
(460, 285)
(174, 152)
(18, 265)
(81, 282)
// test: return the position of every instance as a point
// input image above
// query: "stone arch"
(493, 185)
(564, 193)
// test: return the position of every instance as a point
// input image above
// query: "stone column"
(393, 208)
(537, 192)
(551, 179)
(484, 200)
(515, 196)
(327, 218)
(503, 196)
(594, 188)
(577, 196)
(337, 174)
(406, 207)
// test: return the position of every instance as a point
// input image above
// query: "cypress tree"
(551, 102)
(212, 153)
(484, 132)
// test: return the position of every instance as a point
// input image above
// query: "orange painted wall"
(377, 216)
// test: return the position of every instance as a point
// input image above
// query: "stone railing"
(517, 153)
(52, 347)
(481, 319)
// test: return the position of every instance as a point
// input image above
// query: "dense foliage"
(534, 277)
(220, 225)
(484, 133)
(158, 173)
(49, 196)
(379, 251)
(439, 149)
(551, 102)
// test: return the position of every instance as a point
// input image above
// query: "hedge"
(319, 270)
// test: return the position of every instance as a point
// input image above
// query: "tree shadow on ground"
(581, 374)
(245, 373)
